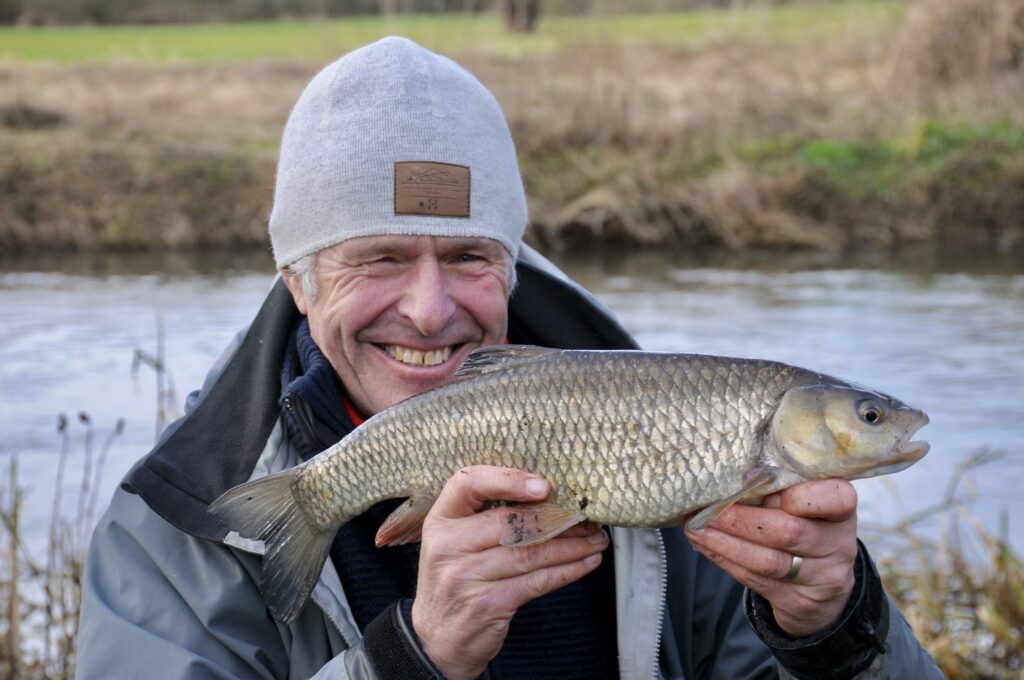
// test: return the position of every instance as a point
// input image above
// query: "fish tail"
(295, 548)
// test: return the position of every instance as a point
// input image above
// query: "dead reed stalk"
(39, 604)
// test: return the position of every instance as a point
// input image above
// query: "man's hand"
(815, 520)
(470, 586)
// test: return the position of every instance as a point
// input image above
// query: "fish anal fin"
(531, 523)
(405, 524)
(755, 482)
(491, 358)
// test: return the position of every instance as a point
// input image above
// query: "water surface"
(945, 336)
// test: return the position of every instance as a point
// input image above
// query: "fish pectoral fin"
(405, 524)
(755, 481)
(531, 523)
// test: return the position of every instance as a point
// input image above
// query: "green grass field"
(452, 33)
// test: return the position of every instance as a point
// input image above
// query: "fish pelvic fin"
(755, 482)
(405, 524)
(295, 549)
(492, 358)
(530, 523)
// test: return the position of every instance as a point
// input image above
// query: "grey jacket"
(169, 594)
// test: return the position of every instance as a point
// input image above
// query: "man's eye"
(467, 257)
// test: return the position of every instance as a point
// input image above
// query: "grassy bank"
(837, 127)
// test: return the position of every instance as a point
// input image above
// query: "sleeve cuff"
(844, 650)
(393, 648)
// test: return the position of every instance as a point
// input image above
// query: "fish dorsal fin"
(492, 358)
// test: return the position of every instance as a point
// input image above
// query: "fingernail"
(536, 487)
(593, 559)
(597, 537)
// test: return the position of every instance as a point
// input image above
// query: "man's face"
(397, 315)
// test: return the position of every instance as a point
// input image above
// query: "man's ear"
(294, 283)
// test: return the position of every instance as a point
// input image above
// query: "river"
(944, 334)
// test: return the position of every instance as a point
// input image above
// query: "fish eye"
(870, 412)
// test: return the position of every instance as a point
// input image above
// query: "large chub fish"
(626, 438)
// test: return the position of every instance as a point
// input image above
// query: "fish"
(624, 437)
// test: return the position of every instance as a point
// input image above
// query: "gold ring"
(794, 568)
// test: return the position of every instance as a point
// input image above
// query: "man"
(397, 224)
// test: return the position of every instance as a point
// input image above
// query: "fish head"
(834, 430)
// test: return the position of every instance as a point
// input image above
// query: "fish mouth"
(904, 454)
(907, 450)
(411, 356)
(912, 451)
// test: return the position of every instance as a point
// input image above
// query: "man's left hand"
(755, 544)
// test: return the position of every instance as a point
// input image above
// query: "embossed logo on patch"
(426, 188)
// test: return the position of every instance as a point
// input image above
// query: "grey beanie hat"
(394, 139)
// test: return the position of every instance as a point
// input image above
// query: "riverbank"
(743, 132)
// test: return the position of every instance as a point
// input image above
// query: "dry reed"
(39, 602)
(961, 586)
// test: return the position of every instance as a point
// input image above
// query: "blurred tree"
(10, 11)
(521, 15)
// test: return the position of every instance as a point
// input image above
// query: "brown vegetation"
(40, 602)
(960, 586)
(139, 156)
(739, 144)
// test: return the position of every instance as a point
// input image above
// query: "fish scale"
(627, 438)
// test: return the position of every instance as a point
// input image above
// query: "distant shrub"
(955, 40)
(10, 10)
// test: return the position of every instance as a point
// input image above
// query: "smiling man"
(397, 226)
(396, 315)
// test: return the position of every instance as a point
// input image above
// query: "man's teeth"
(418, 358)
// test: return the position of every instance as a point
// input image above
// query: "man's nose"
(426, 301)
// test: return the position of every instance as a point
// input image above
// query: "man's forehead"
(409, 244)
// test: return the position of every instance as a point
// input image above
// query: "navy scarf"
(569, 633)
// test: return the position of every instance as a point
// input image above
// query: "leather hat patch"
(426, 188)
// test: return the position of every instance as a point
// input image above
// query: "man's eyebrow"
(471, 243)
(448, 245)
(360, 251)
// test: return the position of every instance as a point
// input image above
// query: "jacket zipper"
(300, 417)
(662, 591)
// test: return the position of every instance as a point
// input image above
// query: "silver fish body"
(632, 439)
(624, 437)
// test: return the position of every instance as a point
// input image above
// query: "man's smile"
(415, 357)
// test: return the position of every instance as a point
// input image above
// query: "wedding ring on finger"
(794, 568)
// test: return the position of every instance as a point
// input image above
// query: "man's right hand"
(469, 585)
